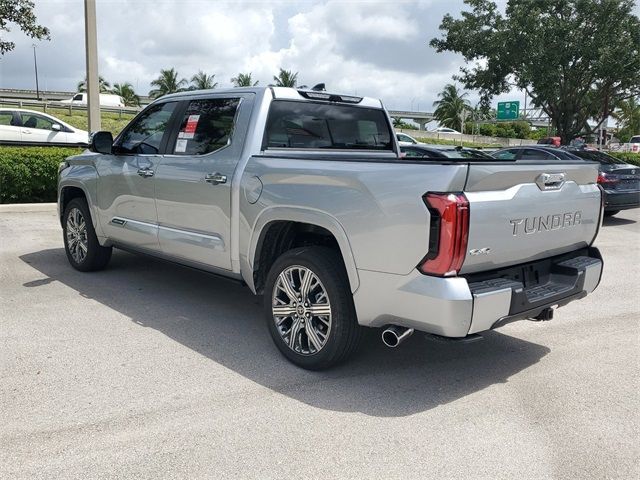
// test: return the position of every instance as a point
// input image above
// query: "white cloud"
(374, 48)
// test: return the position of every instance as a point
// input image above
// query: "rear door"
(9, 126)
(194, 180)
(523, 211)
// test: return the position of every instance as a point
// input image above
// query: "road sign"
(508, 110)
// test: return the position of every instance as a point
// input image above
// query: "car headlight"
(62, 166)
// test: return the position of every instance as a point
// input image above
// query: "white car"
(405, 140)
(19, 126)
(106, 100)
(446, 130)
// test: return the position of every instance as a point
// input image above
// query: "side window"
(507, 155)
(531, 154)
(411, 153)
(32, 120)
(6, 118)
(77, 98)
(144, 134)
(207, 126)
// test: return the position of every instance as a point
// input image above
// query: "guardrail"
(44, 104)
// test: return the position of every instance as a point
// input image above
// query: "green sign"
(508, 110)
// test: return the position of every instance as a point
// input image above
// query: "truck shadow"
(223, 321)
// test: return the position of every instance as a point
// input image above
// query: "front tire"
(309, 308)
(81, 245)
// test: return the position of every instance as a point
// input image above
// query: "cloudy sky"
(373, 48)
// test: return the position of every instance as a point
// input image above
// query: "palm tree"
(167, 82)
(628, 117)
(105, 87)
(202, 81)
(286, 78)
(126, 92)
(244, 80)
(451, 109)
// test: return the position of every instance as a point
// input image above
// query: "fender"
(302, 215)
(82, 176)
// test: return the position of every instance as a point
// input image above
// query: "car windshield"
(465, 154)
(598, 157)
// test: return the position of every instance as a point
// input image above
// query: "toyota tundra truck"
(303, 196)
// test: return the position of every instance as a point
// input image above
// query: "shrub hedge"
(633, 158)
(30, 174)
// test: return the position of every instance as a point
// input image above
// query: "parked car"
(106, 100)
(20, 126)
(303, 196)
(620, 181)
(446, 130)
(443, 152)
(633, 145)
(404, 139)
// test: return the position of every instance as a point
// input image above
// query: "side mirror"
(56, 127)
(101, 142)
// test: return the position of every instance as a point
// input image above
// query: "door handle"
(27, 132)
(145, 172)
(215, 178)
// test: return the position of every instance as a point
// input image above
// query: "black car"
(443, 152)
(619, 180)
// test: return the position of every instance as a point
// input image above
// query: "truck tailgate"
(523, 212)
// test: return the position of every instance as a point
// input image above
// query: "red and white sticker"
(190, 128)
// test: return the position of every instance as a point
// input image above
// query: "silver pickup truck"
(304, 197)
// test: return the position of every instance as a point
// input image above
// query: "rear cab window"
(6, 118)
(310, 125)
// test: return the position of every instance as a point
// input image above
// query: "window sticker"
(181, 146)
(190, 128)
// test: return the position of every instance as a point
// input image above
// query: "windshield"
(465, 154)
(598, 157)
(295, 124)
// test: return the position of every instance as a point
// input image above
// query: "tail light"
(604, 179)
(448, 234)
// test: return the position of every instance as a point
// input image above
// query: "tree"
(570, 56)
(167, 82)
(628, 116)
(125, 90)
(20, 12)
(452, 108)
(286, 78)
(202, 81)
(244, 80)
(105, 87)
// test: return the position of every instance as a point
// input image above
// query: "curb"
(27, 207)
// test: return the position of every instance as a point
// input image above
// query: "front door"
(126, 191)
(40, 129)
(193, 181)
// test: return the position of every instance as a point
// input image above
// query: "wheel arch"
(280, 229)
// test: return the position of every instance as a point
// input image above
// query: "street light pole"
(91, 45)
(35, 64)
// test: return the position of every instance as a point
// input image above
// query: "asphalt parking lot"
(149, 370)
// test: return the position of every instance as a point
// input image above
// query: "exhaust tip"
(390, 339)
(394, 335)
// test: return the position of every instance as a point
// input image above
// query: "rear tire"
(611, 213)
(81, 245)
(320, 317)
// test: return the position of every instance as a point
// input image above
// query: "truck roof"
(286, 93)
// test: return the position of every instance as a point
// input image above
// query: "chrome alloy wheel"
(301, 310)
(77, 242)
